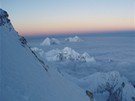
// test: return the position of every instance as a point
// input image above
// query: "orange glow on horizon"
(72, 32)
(77, 26)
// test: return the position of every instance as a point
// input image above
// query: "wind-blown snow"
(24, 77)
(73, 39)
(50, 41)
(68, 54)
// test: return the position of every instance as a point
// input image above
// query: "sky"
(35, 17)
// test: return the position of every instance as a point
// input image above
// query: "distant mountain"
(50, 41)
(110, 86)
(67, 54)
(25, 76)
(73, 39)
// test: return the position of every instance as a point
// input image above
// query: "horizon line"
(77, 33)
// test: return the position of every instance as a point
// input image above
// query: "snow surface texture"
(118, 87)
(49, 41)
(73, 39)
(24, 77)
(68, 54)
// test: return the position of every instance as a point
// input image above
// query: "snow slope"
(24, 77)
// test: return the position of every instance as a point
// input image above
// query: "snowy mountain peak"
(73, 39)
(5, 21)
(3, 17)
(3, 13)
(117, 86)
(24, 76)
(50, 41)
(68, 54)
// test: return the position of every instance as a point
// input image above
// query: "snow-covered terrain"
(109, 86)
(73, 39)
(111, 53)
(97, 76)
(72, 73)
(117, 86)
(24, 76)
(68, 54)
(50, 41)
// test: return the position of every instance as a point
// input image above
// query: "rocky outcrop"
(3, 17)
(90, 95)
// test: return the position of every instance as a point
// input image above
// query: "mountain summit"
(3, 17)
(24, 76)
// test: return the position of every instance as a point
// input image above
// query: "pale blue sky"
(63, 15)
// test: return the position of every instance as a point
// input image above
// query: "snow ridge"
(118, 87)
(68, 54)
